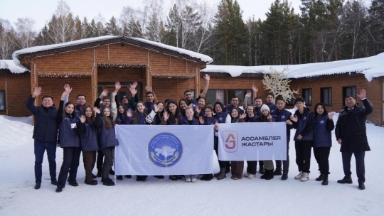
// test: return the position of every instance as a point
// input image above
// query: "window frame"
(329, 95)
(309, 101)
(3, 108)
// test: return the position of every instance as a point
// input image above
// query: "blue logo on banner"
(165, 150)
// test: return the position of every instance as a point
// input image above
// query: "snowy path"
(166, 197)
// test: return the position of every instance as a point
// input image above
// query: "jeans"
(70, 164)
(40, 148)
(360, 167)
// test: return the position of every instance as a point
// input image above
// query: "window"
(123, 91)
(227, 95)
(348, 91)
(307, 95)
(2, 100)
(326, 96)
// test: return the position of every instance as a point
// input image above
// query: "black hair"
(270, 93)
(46, 96)
(320, 104)
(149, 92)
(221, 105)
(299, 99)
(187, 91)
(280, 99)
(79, 95)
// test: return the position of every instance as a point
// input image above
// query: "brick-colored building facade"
(93, 65)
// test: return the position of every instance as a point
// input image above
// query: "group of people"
(82, 128)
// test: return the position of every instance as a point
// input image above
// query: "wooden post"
(197, 81)
(94, 82)
(34, 83)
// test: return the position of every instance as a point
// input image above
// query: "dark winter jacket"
(263, 118)
(88, 136)
(257, 111)
(68, 136)
(107, 136)
(209, 120)
(221, 117)
(45, 128)
(304, 125)
(79, 109)
(251, 119)
(183, 120)
(282, 116)
(122, 119)
(272, 109)
(350, 127)
(322, 131)
(187, 122)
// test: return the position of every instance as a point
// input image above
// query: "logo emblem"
(165, 150)
(230, 141)
(322, 122)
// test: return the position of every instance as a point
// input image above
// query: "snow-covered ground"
(166, 197)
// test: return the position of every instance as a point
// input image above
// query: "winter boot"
(361, 186)
(59, 188)
(277, 171)
(108, 182)
(345, 180)
(320, 178)
(222, 174)
(269, 174)
(284, 176)
(90, 182)
(325, 180)
(119, 177)
(37, 185)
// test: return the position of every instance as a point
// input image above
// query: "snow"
(371, 67)
(200, 56)
(17, 53)
(166, 197)
(11, 66)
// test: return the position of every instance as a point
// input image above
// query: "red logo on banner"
(230, 143)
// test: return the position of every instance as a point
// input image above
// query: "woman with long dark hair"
(237, 166)
(69, 141)
(322, 140)
(207, 120)
(108, 141)
(89, 144)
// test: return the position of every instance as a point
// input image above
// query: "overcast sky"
(41, 10)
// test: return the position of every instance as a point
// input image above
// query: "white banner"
(252, 141)
(164, 149)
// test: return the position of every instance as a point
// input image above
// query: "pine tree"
(111, 27)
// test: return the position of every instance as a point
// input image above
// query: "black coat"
(45, 128)
(350, 127)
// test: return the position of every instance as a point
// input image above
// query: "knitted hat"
(265, 107)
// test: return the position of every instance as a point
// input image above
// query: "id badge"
(73, 125)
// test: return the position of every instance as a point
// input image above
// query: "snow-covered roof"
(11, 66)
(371, 67)
(112, 39)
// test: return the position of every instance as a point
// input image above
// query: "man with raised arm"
(44, 134)
(188, 93)
(352, 136)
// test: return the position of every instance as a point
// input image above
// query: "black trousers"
(285, 162)
(303, 155)
(100, 157)
(222, 164)
(71, 157)
(108, 160)
(360, 166)
(321, 156)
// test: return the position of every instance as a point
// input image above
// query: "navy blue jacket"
(255, 118)
(350, 127)
(282, 116)
(221, 117)
(68, 136)
(107, 136)
(322, 131)
(209, 120)
(45, 128)
(272, 109)
(304, 125)
(257, 111)
(88, 136)
(193, 122)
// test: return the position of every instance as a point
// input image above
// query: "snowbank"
(11, 66)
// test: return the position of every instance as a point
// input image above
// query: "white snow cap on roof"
(371, 67)
(17, 53)
(11, 66)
